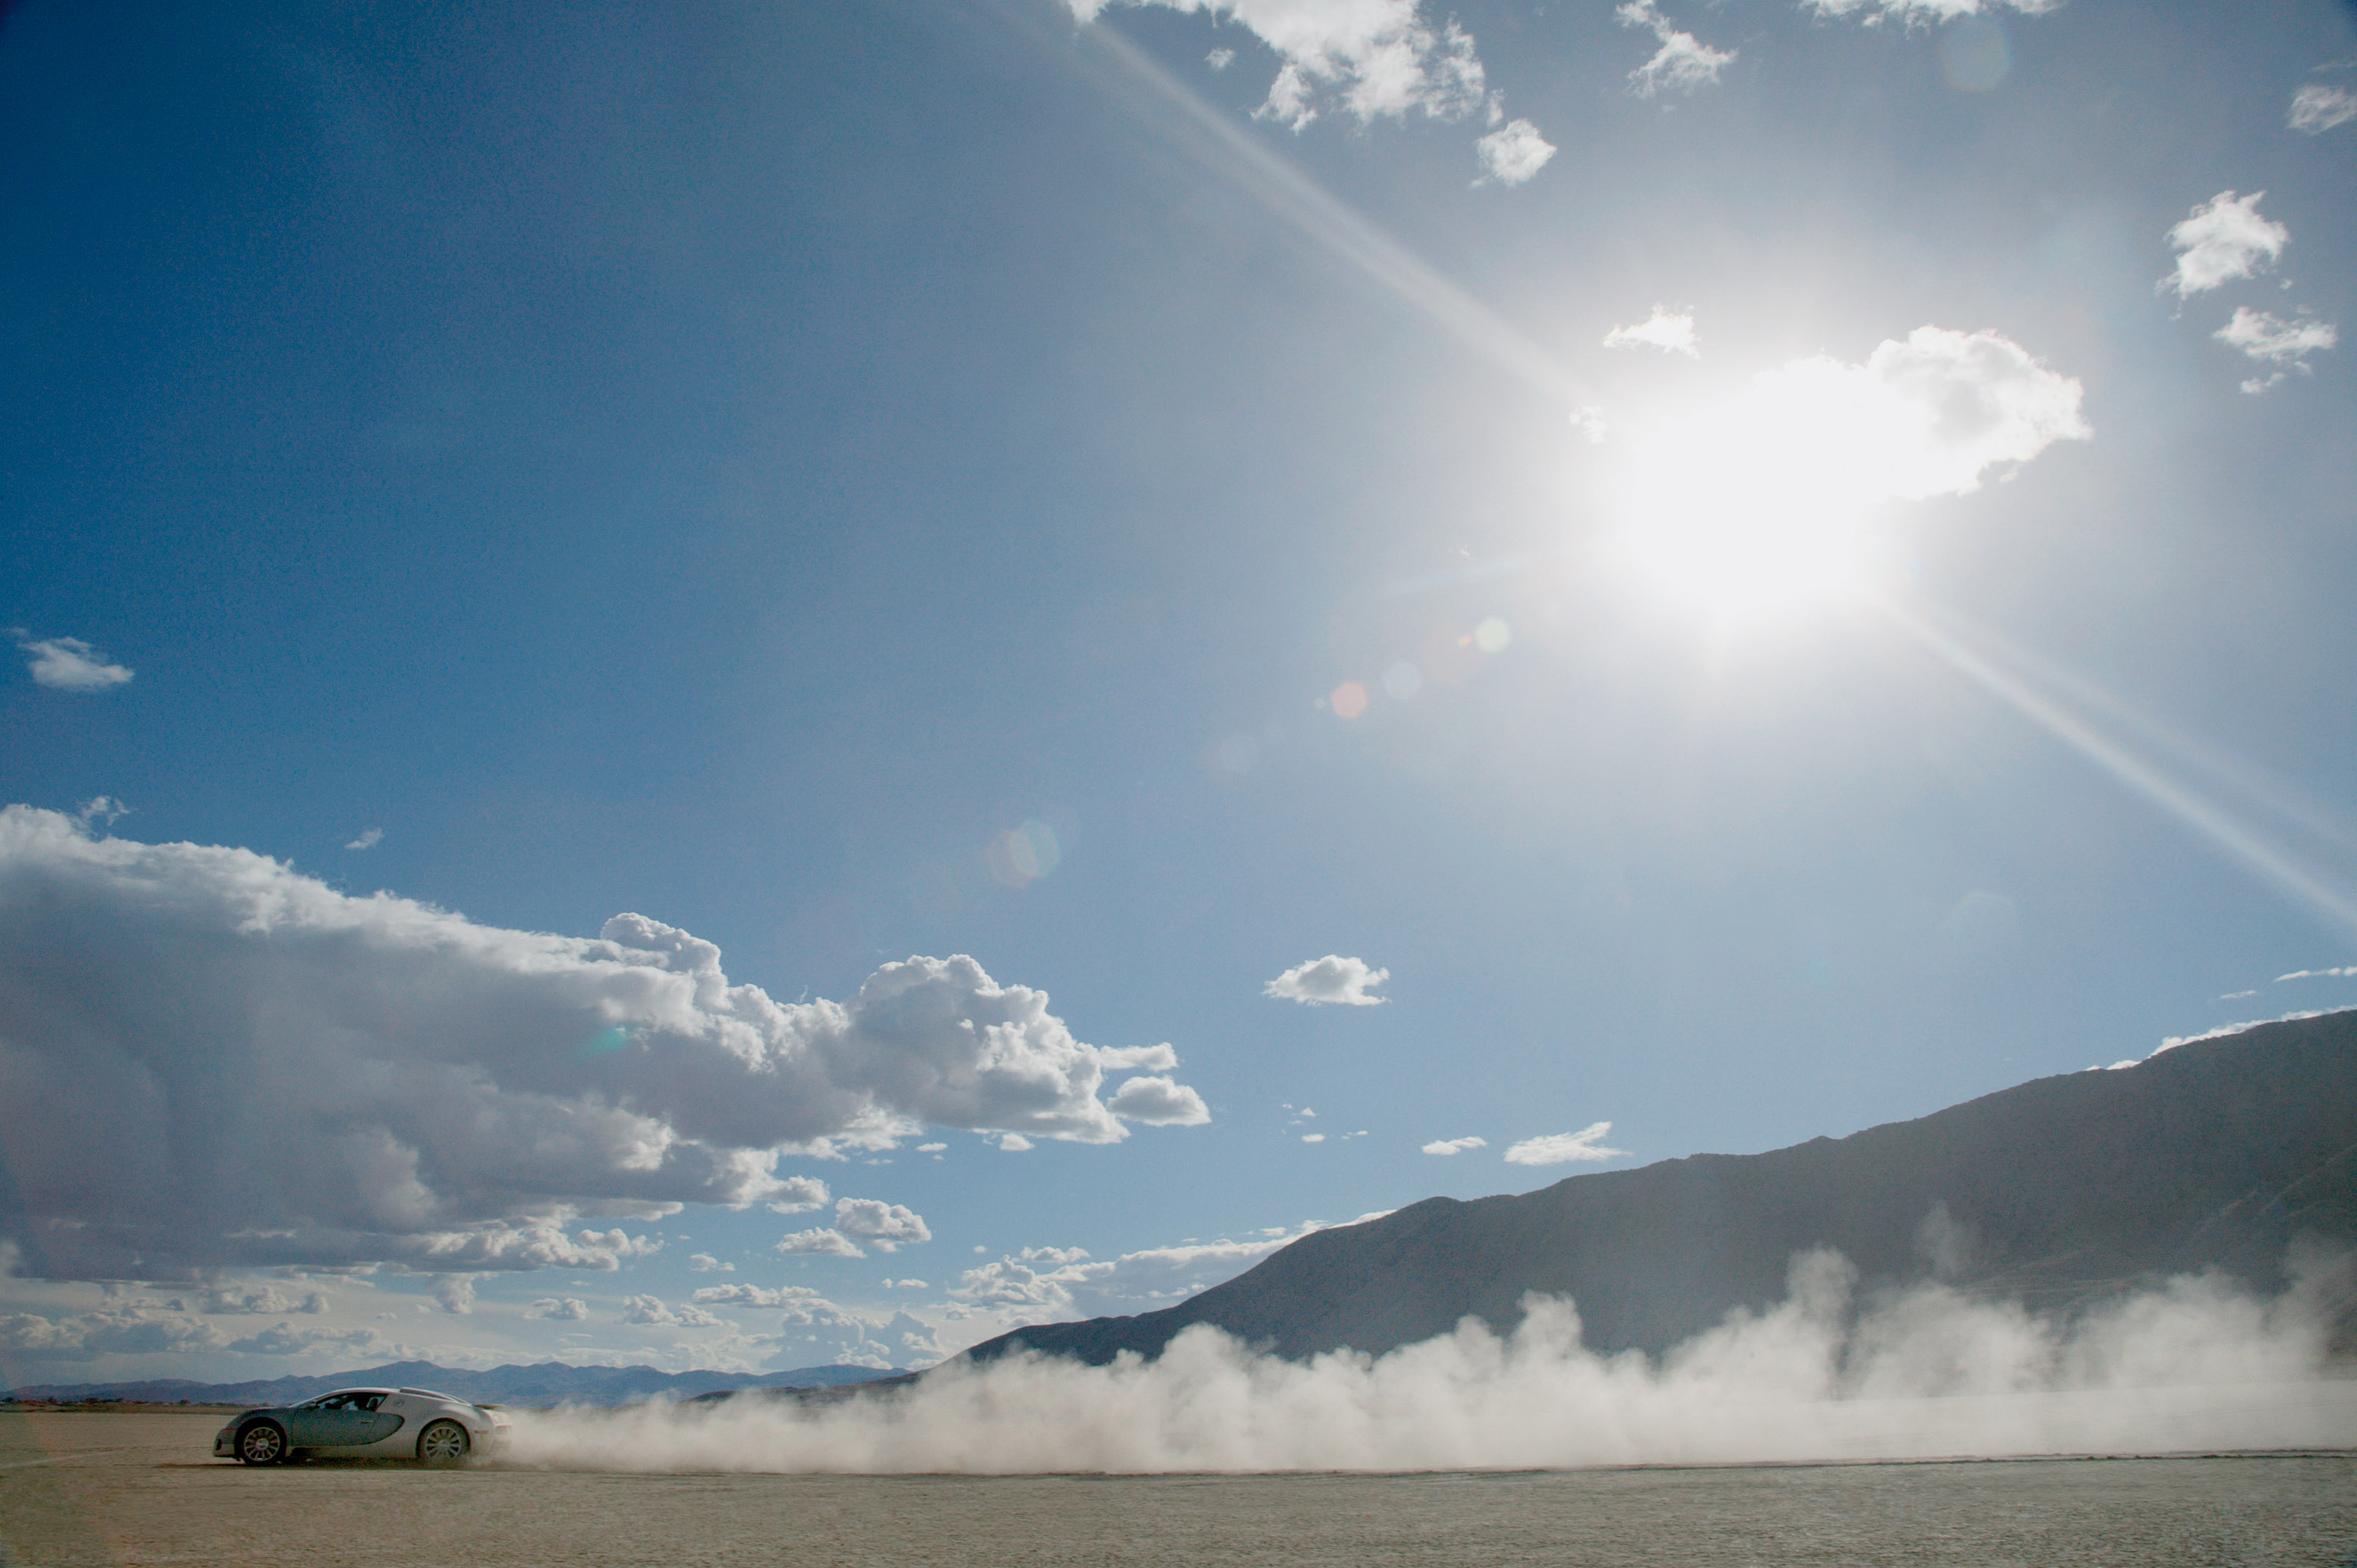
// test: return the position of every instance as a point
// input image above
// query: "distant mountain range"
(542, 1383)
(2057, 1193)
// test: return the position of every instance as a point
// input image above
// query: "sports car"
(364, 1422)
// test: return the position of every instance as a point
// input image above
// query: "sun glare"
(1757, 507)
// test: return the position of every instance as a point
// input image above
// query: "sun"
(1753, 507)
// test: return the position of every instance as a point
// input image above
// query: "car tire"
(264, 1443)
(443, 1444)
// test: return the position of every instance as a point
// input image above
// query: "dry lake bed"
(79, 1489)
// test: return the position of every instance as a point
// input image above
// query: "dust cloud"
(2198, 1365)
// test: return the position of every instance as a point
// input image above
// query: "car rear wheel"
(443, 1443)
(264, 1443)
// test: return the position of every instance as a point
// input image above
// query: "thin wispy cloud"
(367, 838)
(2223, 240)
(2347, 973)
(2276, 342)
(1671, 331)
(1683, 61)
(2317, 109)
(1328, 981)
(70, 664)
(1921, 13)
(1565, 1148)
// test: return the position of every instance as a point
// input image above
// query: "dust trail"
(2198, 1365)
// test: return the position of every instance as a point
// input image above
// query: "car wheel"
(443, 1443)
(264, 1443)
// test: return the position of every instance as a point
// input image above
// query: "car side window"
(370, 1402)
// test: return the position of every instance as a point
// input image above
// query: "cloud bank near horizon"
(209, 1059)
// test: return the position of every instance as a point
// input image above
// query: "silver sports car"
(372, 1423)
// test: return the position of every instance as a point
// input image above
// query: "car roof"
(431, 1394)
(333, 1392)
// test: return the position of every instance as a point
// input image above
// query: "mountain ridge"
(2060, 1192)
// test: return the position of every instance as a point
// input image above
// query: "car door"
(331, 1421)
(380, 1423)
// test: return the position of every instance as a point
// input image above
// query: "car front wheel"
(443, 1443)
(264, 1443)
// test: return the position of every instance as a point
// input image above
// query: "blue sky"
(1142, 497)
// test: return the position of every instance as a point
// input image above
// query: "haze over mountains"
(541, 1383)
(2228, 1152)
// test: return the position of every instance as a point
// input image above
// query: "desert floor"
(141, 1488)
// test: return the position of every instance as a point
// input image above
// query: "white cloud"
(649, 1312)
(101, 811)
(883, 1226)
(283, 1340)
(1918, 13)
(2309, 974)
(1152, 1059)
(930, 1148)
(1220, 59)
(2223, 240)
(2316, 109)
(706, 1263)
(825, 1242)
(1672, 332)
(1375, 58)
(1561, 1148)
(250, 1301)
(1313, 1137)
(70, 664)
(1331, 981)
(1455, 1146)
(369, 838)
(798, 1195)
(456, 1293)
(1159, 1102)
(1513, 152)
(467, 1091)
(115, 1329)
(1041, 1283)
(1013, 1144)
(798, 1298)
(2173, 1041)
(567, 1309)
(2271, 340)
(1683, 61)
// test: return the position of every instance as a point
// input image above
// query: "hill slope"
(2058, 1191)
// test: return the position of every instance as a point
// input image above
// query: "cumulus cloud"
(1331, 981)
(1672, 332)
(1455, 1146)
(555, 1309)
(464, 1092)
(115, 1329)
(1512, 153)
(1919, 13)
(252, 1301)
(2317, 109)
(285, 1339)
(2224, 240)
(456, 1293)
(649, 1312)
(798, 1297)
(1159, 1102)
(1563, 1148)
(1013, 1144)
(2273, 342)
(1683, 61)
(706, 1263)
(825, 1241)
(1220, 59)
(70, 664)
(798, 1195)
(1372, 58)
(883, 1226)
